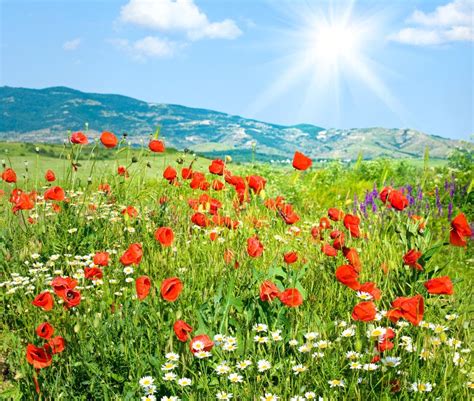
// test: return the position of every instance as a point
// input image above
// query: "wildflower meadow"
(145, 273)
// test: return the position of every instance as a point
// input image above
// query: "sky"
(335, 64)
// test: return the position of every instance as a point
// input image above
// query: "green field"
(308, 338)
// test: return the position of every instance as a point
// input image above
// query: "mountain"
(45, 115)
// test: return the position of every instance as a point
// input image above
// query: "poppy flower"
(55, 345)
(459, 230)
(328, 250)
(353, 258)
(182, 330)
(130, 211)
(79, 138)
(142, 286)
(122, 171)
(101, 259)
(54, 193)
(93, 273)
(201, 343)
(397, 200)
(38, 356)
(410, 308)
(364, 311)
(45, 330)
(301, 162)
(440, 285)
(200, 219)
(71, 298)
(217, 185)
(132, 256)
(254, 247)
(268, 291)
(21, 201)
(339, 239)
(186, 173)
(290, 257)
(197, 179)
(324, 223)
(291, 297)
(384, 343)
(352, 222)
(108, 139)
(104, 187)
(44, 301)
(61, 284)
(316, 233)
(50, 176)
(384, 193)
(348, 275)
(335, 214)
(217, 167)
(256, 183)
(411, 259)
(156, 146)
(171, 288)
(288, 214)
(165, 236)
(9, 175)
(371, 288)
(169, 173)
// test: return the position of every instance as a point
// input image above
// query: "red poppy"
(130, 211)
(142, 285)
(38, 356)
(186, 173)
(384, 194)
(410, 308)
(54, 193)
(398, 200)
(301, 162)
(197, 179)
(201, 343)
(348, 275)
(288, 214)
(55, 345)
(352, 222)
(364, 311)
(45, 330)
(61, 284)
(165, 236)
(459, 230)
(133, 255)
(324, 223)
(339, 240)
(122, 170)
(200, 219)
(93, 273)
(254, 247)
(21, 201)
(335, 214)
(72, 298)
(157, 146)
(353, 258)
(50, 176)
(9, 175)
(440, 285)
(290, 257)
(182, 330)
(256, 183)
(316, 233)
(217, 185)
(371, 288)
(101, 259)
(79, 138)
(104, 188)
(171, 288)
(328, 250)
(169, 173)
(44, 301)
(291, 297)
(217, 167)
(268, 291)
(411, 259)
(109, 140)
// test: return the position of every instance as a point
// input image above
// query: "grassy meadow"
(264, 283)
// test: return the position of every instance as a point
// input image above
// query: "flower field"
(157, 275)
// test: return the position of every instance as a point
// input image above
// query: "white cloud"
(72, 44)
(147, 47)
(452, 22)
(177, 16)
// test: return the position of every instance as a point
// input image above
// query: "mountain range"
(45, 115)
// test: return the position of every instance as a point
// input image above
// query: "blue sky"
(336, 64)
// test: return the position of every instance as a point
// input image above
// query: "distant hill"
(45, 115)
